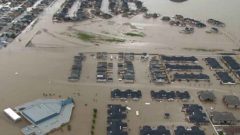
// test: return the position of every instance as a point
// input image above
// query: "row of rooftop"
(190, 77)
(126, 72)
(187, 64)
(122, 6)
(104, 72)
(230, 62)
(126, 94)
(167, 69)
(221, 74)
(170, 95)
(231, 101)
(162, 130)
(121, 56)
(90, 9)
(185, 67)
(178, 63)
(86, 10)
(157, 71)
(115, 120)
(161, 67)
(76, 67)
(62, 14)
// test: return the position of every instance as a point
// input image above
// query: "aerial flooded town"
(119, 67)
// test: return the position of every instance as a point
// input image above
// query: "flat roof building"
(45, 115)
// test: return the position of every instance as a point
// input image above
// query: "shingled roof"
(231, 100)
(223, 118)
(206, 95)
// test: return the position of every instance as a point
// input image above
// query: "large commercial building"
(45, 115)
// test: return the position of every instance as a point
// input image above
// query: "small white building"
(137, 113)
(11, 114)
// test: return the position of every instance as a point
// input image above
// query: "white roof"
(99, 75)
(128, 108)
(13, 115)
(137, 113)
(147, 103)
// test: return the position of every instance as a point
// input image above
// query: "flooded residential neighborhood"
(119, 67)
